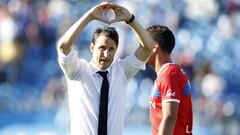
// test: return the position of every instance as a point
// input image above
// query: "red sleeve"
(172, 86)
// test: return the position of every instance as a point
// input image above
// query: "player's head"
(163, 36)
(164, 40)
(103, 46)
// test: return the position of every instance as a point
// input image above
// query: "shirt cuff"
(70, 56)
(136, 63)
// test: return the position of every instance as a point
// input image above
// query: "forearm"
(145, 40)
(142, 35)
(67, 40)
(167, 126)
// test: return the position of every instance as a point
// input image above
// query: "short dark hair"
(163, 36)
(109, 32)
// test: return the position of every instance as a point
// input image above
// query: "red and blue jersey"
(172, 85)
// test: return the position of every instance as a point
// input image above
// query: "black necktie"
(103, 107)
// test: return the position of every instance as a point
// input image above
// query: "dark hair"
(109, 32)
(163, 36)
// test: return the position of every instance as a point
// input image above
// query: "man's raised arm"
(145, 40)
(67, 40)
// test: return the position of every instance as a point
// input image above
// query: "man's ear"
(91, 47)
(156, 47)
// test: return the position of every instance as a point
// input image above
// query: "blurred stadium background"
(33, 89)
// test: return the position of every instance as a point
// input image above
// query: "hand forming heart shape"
(110, 13)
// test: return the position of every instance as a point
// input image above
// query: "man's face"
(151, 59)
(103, 51)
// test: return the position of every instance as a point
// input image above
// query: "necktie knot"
(103, 74)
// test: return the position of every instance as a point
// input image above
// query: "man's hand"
(98, 12)
(121, 13)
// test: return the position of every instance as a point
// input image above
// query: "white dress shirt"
(84, 86)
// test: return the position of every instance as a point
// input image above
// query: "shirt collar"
(163, 66)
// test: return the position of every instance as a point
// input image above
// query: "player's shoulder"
(172, 67)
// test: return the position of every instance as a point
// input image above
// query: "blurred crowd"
(207, 37)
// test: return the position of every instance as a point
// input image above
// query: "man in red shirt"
(171, 104)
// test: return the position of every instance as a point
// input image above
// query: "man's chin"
(104, 66)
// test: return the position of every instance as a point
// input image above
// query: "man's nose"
(105, 53)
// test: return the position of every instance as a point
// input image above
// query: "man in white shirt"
(85, 83)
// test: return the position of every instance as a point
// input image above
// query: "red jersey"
(172, 85)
